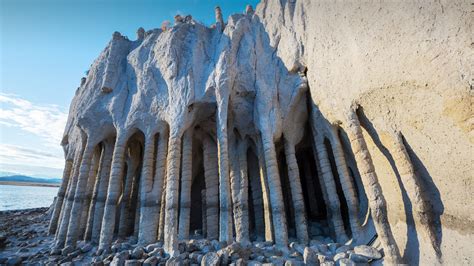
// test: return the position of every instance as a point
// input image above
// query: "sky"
(45, 48)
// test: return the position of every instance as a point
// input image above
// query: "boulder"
(157, 252)
(357, 258)
(339, 256)
(333, 246)
(345, 262)
(133, 263)
(86, 248)
(137, 253)
(293, 262)
(14, 260)
(151, 261)
(368, 251)
(211, 259)
(310, 257)
(343, 248)
(176, 261)
(153, 246)
(328, 263)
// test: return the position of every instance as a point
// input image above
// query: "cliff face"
(409, 67)
(299, 116)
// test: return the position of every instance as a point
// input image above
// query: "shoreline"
(29, 184)
(24, 239)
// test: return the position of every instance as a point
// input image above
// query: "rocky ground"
(24, 240)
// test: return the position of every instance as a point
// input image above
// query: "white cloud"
(41, 125)
(45, 121)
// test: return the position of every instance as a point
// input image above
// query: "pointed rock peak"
(140, 33)
(249, 10)
(116, 35)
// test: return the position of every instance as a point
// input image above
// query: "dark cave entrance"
(255, 198)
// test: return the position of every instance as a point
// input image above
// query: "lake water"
(25, 197)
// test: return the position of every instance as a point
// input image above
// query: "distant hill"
(29, 179)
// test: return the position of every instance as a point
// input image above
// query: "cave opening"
(198, 185)
(315, 205)
(255, 198)
(127, 213)
(286, 189)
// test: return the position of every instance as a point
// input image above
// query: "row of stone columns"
(93, 190)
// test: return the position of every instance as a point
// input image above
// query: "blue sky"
(45, 48)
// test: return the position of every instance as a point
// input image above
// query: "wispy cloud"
(14, 158)
(45, 121)
(42, 124)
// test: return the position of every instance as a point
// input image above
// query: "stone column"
(241, 204)
(225, 205)
(346, 183)
(219, 20)
(212, 187)
(296, 193)
(276, 194)
(66, 212)
(76, 210)
(235, 178)
(161, 227)
(172, 195)
(377, 204)
(124, 227)
(113, 193)
(265, 194)
(332, 200)
(87, 206)
(90, 215)
(151, 204)
(422, 209)
(204, 215)
(186, 180)
(100, 193)
(53, 224)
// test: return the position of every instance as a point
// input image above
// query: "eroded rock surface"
(300, 121)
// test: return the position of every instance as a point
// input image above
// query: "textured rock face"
(296, 121)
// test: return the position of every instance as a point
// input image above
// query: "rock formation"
(296, 121)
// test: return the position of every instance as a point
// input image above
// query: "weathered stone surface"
(183, 98)
(151, 261)
(310, 257)
(368, 251)
(358, 258)
(345, 262)
(211, 259)
(339, 256)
